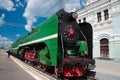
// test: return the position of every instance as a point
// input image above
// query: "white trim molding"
(41, 39)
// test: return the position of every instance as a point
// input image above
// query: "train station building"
(104, 16)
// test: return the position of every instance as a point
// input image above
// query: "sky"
(18, 17)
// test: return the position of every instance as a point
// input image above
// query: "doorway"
(104, 48)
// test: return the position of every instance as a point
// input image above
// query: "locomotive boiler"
(60, 43)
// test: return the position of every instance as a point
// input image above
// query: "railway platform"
(9, 70)
(14, 69)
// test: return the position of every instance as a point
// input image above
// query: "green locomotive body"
(47, 34)
(58, 42)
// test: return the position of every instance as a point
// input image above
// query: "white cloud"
(3, 15)
(2, 19)
(43, 8)
(37, 8)
(69, 5)
(17, 35)
(26, 0)
(17, 0)
(4, 41)
(7, 5)
(19, 3)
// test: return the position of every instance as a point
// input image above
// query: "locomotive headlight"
(68, 51)
(86, 52)
(74, 15)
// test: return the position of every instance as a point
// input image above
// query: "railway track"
(48, 74)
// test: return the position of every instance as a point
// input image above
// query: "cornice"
(97, 6)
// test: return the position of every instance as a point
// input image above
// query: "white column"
(95, 20)
(109, 13)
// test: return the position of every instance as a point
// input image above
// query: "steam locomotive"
(60, 43)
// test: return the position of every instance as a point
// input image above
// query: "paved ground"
(102, 76)
(107, 69)
(9, 70)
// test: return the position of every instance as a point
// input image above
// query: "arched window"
(104, 48)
